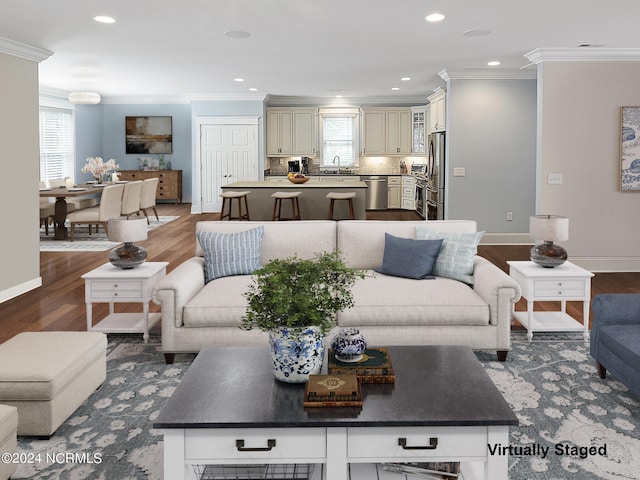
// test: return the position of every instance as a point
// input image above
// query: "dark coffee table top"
(234, 387)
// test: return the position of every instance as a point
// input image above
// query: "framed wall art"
(149, 134)
(630, 149)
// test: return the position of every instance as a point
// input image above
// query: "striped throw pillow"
(227, 254)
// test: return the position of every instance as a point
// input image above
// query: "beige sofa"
(388, 310)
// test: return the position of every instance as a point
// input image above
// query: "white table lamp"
(127, 231)
(548, 229)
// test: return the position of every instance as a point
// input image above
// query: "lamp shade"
(549, 228)
(86, 98)
(125, 230)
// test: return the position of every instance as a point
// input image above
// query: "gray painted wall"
(19, 255)
(491, 132)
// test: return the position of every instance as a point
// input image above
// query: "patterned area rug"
(83, 242)
(572, 424)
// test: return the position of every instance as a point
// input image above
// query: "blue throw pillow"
(455, 259)
(409, 258)
(227, 254)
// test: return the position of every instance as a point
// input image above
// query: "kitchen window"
(56, 142)
(339, 138)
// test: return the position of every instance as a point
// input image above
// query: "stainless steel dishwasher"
(376, 198)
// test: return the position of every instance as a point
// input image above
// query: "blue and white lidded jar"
(349, 345)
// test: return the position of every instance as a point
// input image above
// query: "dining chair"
(148, 197)
(131, 198)
(110, 207)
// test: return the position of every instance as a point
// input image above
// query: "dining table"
(60, 210)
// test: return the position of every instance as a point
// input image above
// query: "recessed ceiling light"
(395, 88)
(476, 32)
(237, 34)
(435, 17)
(104, 19)
(252, 89)
(239, 79)
(493, 63)
(405, 79)
(339, 96)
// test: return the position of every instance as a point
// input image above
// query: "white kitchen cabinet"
(419, 125)
(291, 131)
(386, 131)
(437, 111)
(373, 131)
(408, 201)
(394, 191)
(398, 132)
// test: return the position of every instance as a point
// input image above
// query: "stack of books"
(374, 367)
(334, 390)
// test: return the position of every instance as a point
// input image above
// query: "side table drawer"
(381, 443)
(222, 444)
(559, 288)
(109, 289)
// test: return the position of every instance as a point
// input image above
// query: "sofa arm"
(175, 290)
(496, 288)
(616, 309)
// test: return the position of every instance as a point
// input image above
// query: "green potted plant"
(296, 300)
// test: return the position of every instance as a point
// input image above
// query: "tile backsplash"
(368, 165)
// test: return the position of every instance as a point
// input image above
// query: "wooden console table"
(169, 185)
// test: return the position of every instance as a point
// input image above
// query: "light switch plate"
(554, 179)
(459, 172)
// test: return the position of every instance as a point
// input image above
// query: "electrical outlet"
(554, 179)
(282, 161)
(509, 216)
(459, 172)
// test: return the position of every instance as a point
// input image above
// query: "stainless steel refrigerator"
(436, 174)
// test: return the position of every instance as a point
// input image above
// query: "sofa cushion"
(382, 300)
(409, 258)
(362, 241)
(227, 254)
(220, 303)
(623, 341)
(455, 259)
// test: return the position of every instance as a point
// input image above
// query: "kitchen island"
(313, 202)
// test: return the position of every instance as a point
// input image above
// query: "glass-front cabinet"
(419, 123)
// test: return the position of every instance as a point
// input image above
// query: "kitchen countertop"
(288, 185)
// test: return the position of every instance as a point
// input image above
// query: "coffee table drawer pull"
(241, 448)
(433, 444)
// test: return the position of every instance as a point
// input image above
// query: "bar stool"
(333, 196)
(277, 205)
(231, 196)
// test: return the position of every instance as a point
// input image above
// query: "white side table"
(109, 284)
(567, 282)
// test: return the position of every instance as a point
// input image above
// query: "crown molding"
(391, 100)
(583, 54)
(21, 50)
(486, 74)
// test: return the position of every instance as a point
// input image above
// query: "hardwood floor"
(59, 303)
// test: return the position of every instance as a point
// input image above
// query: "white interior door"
(228, 154)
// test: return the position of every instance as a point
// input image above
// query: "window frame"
(68, 162)
(353, 113)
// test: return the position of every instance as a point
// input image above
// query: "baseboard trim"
(17, 290)
(506, 239)
(607, 264)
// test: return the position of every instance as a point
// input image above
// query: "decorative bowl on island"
(298, 179)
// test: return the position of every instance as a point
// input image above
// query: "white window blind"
(56, 143)
(339, 139)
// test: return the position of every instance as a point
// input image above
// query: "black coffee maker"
(294, 166)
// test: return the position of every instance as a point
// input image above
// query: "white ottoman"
(48, 375)
(8, 441)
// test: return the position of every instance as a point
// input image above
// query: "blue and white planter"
(295, 356)
(349, 345)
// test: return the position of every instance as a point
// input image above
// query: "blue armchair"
(615, 337)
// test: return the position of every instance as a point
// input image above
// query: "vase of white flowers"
(98, 168)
